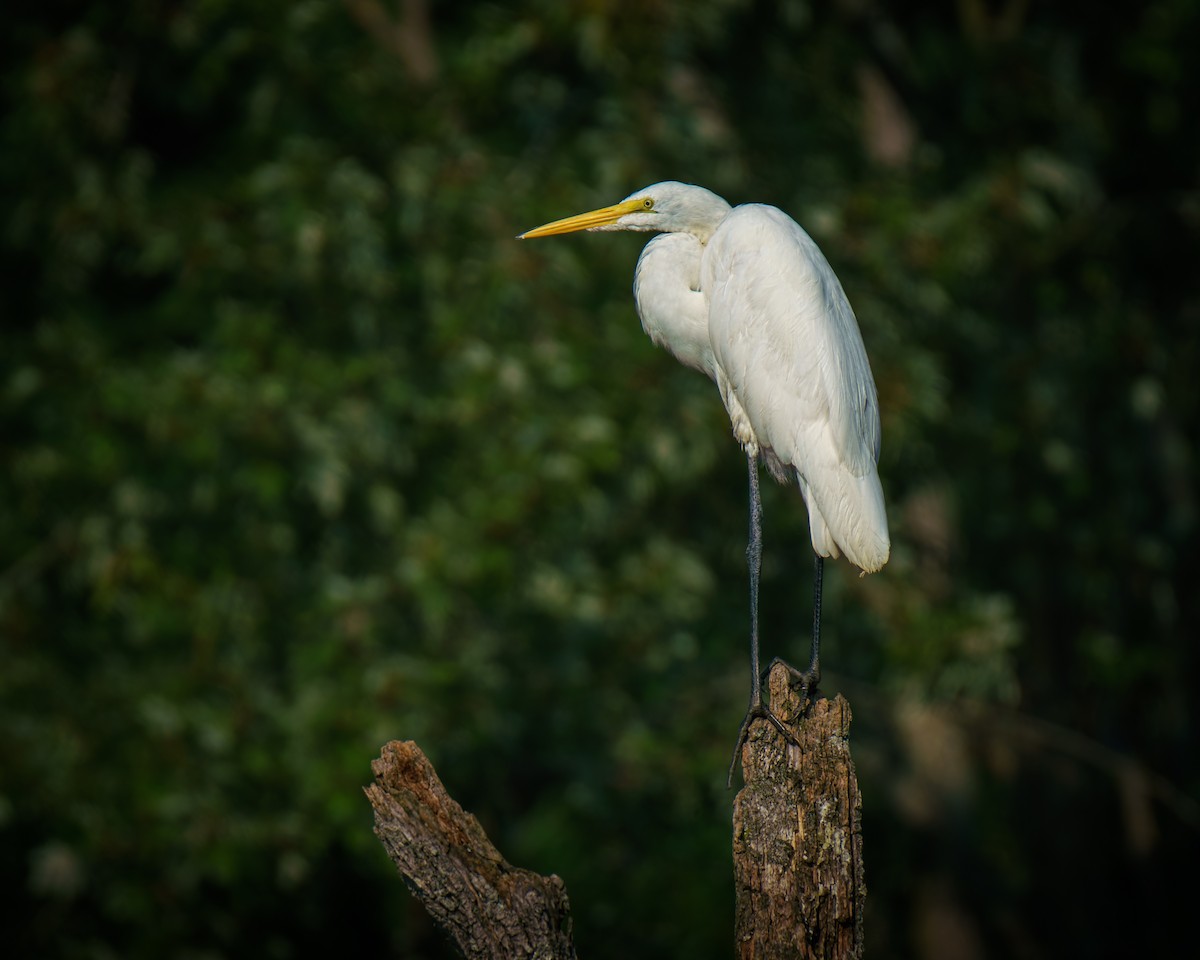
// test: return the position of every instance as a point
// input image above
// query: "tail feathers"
(846, 515)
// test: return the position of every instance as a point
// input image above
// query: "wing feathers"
(785, 337)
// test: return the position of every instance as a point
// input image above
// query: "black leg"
(812, 676)
(814, 663)
(754, 566)
(754, 562)
(808, 679)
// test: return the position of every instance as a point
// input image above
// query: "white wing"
(786, 341)
(673, 311)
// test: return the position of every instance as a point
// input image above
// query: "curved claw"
(755, 712)
(805, 680)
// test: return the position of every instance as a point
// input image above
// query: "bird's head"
(667, 207)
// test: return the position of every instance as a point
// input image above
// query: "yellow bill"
(585, 221)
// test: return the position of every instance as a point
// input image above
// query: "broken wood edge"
(797, 849)
(489, 908)
(797, 836)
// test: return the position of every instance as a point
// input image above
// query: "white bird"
(744, 295)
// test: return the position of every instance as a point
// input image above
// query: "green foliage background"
(302, 453)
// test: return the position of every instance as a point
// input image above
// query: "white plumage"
(744, 295)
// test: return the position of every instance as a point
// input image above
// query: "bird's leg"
(808, 679)
(814, 664)
(757, 708)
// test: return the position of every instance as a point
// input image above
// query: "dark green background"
(302, 452)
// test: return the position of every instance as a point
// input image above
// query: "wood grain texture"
(491, 909)
(797, 837)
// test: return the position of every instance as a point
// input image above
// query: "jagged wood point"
(797, 849)
(797, 836)
(491, 909)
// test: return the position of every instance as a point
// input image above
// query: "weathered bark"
(797, 837)
(797, 850)
(491, 909)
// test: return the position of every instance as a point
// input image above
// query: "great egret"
(744, 295)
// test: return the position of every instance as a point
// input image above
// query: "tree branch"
(409, 36)
(491, 909)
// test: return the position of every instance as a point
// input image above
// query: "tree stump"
(797, 850)
(491, 909)
(797, 836)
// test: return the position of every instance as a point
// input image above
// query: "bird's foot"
(804, 682)
(757, 711)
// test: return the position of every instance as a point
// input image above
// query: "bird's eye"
(648, 203)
